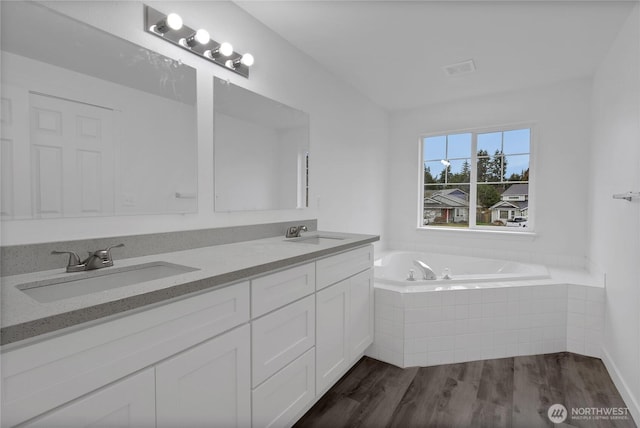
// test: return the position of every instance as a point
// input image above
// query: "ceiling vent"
(464, 67)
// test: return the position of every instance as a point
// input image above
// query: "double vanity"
(243, 334)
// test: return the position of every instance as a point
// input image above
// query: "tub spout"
(427, 272)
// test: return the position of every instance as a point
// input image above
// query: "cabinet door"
(126, 403)
(208, 385)
(332, 328)
(360, 313)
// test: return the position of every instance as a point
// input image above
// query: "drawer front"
(44, 375)
(278, 401)
(336, 268)
(281, 337)
(276, 290)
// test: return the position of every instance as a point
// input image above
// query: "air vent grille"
(464, 67)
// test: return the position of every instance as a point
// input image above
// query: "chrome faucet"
(427, 272)
(96, 260)
(294, 231)
(100, 259)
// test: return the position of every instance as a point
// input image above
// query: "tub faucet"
(427, 272)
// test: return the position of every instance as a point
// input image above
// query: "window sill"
(479, 232)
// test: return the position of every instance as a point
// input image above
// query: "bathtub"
(488, 309)
(394, 267)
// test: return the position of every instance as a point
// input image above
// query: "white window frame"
(473, 185)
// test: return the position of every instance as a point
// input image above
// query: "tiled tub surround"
(23, 318)
(504, 319)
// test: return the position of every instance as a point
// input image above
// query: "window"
(476, 179)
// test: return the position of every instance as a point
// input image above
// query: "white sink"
(99, 280)
(315, 239)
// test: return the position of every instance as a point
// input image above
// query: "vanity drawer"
(336, 268)
(276, 290)
(282, 398)
(46, 374)
(281, 337)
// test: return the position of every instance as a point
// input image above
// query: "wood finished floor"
(507, 392)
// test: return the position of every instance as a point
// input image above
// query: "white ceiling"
(394, 51)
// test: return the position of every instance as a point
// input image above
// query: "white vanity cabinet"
(256, 353)
(344, 314)
(42, 376)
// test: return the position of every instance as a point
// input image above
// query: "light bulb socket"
(246, 60)
(223, 49)
(200, 37)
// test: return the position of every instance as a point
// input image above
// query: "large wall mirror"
(92, 125)
(261, 151)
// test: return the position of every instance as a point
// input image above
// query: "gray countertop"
(22, 317)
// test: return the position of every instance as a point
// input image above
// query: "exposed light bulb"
(199, 37)
(174, 21)
(247, 59)
(170, 22)
(202, 36)
(226, 49)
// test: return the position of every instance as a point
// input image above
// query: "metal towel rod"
(627, 196)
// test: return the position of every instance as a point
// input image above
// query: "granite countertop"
(22, 317)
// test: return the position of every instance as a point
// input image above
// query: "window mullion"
(473, 188)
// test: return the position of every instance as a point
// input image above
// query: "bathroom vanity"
(253, 336)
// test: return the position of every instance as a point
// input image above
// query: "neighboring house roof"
(519, 205)
(517, 189)
(450, 198)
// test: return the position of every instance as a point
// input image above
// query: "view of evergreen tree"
(488, 194)
(483, 165)
(428, 178)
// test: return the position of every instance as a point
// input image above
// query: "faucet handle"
(106, 253)
(74, 260)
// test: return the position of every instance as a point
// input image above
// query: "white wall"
(560, 114)
(615, 224)
(348, 132)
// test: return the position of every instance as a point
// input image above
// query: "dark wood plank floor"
(508, 392)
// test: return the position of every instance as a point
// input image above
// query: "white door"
(332, 329)
(360, 313)
(208, 385)
(72, 158)
(14, 162)
(129, 403)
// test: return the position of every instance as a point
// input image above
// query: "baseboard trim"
(623, 388)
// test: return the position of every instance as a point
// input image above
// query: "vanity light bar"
(171, 28)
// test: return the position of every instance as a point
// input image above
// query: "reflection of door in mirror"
(92, 125)
(72, 157)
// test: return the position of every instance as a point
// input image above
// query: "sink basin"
(95, 281)
(315, 239)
